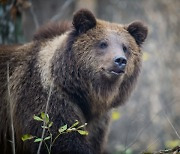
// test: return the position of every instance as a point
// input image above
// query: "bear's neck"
(92, 97)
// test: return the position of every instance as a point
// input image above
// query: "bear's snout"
(119, 65)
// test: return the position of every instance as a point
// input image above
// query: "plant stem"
(11, 116)
(49, 152)
(50, 147)
(47, 105)
(56, 138)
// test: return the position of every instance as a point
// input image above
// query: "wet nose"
(121, 62)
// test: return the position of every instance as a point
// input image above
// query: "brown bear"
(91, 67)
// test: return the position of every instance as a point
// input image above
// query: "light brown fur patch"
(45, 56)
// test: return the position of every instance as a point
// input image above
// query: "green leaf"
(62, 129)
(71, 130)
(47, 138)
(27, 137)
(50, 124)
(38, 140)
(45, 117)
(82, 132)
(44, 127)
(75, 124)
(82, 126)
(37, 118)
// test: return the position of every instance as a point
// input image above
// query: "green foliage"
(50, 124)
(37, 118)
(62, 129)
(82, 132)
(47, 124)
(47, 138)
(38, 140)
(27, 137)
(172, 143)
(45, 117)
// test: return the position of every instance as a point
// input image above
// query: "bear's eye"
(125, 48)
(103, 45)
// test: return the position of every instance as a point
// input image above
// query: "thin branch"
(47, 147)
(127, 134)
(155, 141)
(47, 105)
(137, 110)
(62, 10)
(146, 126)
(172, 125)
(11, 116)
(168, 151)
(140, 132)
(34, 15)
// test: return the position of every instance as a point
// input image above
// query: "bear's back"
(52, 30)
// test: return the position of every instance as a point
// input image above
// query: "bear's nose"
(121, 62)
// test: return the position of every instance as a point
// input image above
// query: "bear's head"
(103, 56)
(109, 50)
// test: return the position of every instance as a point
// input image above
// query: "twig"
(62, 9)
(47, 147)
(172, 125)
(47, 105)
(146, 126)
(11, 116)
(156, 140)
(140, 132)
(168, 151)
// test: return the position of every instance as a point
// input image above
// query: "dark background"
(150, 120)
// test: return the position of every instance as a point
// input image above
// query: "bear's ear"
(138, 30)
(83, 20)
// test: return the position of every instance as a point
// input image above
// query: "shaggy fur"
(73, 59)
(51, 30)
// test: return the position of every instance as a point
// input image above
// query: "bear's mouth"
(117, 69)
(114, 71)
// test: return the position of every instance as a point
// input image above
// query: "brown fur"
(52, 30)
(83, 88)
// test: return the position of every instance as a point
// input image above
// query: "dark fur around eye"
(103, 45)
(125, 49)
